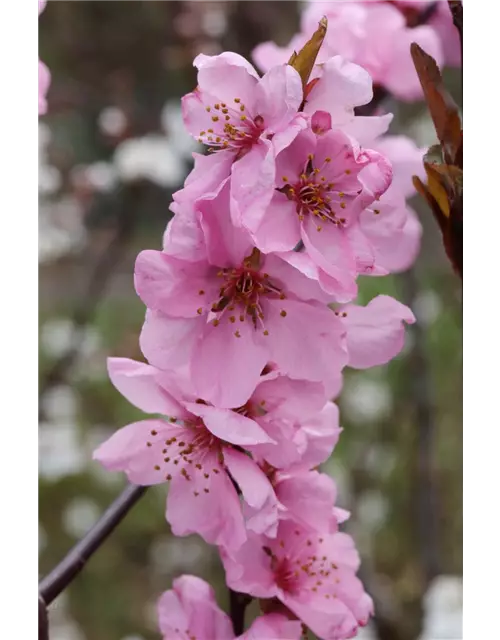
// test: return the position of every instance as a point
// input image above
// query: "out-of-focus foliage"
(112, 150)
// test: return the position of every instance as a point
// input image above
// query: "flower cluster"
(250, 322)
(376, 35)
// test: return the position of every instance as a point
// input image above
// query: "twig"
(67, 570)
(238, 603)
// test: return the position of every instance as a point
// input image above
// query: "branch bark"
(67, 570)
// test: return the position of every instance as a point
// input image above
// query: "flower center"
(287, 577)
(233, 127)
(315, 195)
(242, 291)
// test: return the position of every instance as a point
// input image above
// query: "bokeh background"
(112, 149)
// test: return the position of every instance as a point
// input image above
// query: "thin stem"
(67, 570)
(238, 603)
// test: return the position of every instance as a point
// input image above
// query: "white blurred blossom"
(59, 450)
(151, 158)
(79, 516)
(60, 229)
(170, 555)
(372, 509)
(60, 404)
(443, 609)
(49, 177)
(427, 307)
(173, 126)
(214, 22)
(56, 337)
(112, 121)
(366, 400)
(99, 176)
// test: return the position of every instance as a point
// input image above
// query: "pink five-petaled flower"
(189, 611)
(319, 196)
(198, 456)
(312, 574)
(43, 74)
(245, 120)
(234, 311)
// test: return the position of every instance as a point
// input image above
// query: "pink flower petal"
(375, 333)
(190, 609)
(226, 368)
(168, 342)
(229, 425)
(173, 286)
(272, 626)
(207, 506)
(278, 97)
(137, 382)
(127, 450)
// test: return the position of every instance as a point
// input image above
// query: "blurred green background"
(112, 150)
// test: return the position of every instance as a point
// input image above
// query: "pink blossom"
(245, 120)
(320, 194)
(442, 22)
(43, 87)
(396, 244)
(234, 310)
(197, 449)
(190, 610)
(303, 442)
(312, 574)
(375, 333)
(373, 35)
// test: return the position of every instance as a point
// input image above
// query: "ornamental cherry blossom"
(234, 310)
(43, 74)
(244, 119)
(313, 575)
(320, 193)
(374, 35)
(189, 611)
(196, 452)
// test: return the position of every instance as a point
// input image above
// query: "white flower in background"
(60, 229)
(372, 509)
(79, 516)
(171, 555)
(56, 337)
(59, 451)
(380, 459)
(173, 127)
(49, 178)
(151, 158)
(427, 307)
(112, 121)
(60, 404)
(214, 22)
(366, 400)
(443, 609)
(99, 176)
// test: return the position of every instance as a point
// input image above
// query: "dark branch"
(67, 570)
(238, 602)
